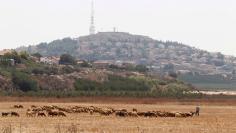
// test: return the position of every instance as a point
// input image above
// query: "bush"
(114, 84)
(86, 85)
(13, 55)
(37, 71)
(46, 70)
(24, 55)
(141, 68)
(85, 64)
(23, 82)
(68, 69)
(173, 74)
(37, 55)
(118, 83)
(67, 59)
(175, 90)
(162, 83)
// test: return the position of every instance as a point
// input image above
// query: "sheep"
(4, 114)
(18, 106)
(61, 114)
(121, 113)
(15, 114)
(135, 110)
(30, 113)
(41, 114)
(52, 113)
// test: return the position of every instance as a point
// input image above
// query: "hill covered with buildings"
(160, 56)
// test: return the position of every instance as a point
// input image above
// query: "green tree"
(141, 68)
(37, 55)
(13, 55)
(172, 74)
(67, 59)
(23, 82)
(24, 55)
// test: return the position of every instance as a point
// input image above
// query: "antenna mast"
(92, 27)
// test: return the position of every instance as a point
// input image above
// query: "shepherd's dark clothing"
(197, 111)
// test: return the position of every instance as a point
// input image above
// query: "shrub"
(68, 69)
(113, 84)
(141, 68)
(24, 55)
(23, 82)
(85, 64)
(37, 55)
(67, 59)
(173, 74)
(37, 71)
(162, 83)
(86, 85)
(13, 55)
(46, 70)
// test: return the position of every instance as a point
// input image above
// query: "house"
(50, 60)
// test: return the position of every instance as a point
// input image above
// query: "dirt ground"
(213, 119)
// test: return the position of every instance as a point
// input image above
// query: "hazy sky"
(205, 24)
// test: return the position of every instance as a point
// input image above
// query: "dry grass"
(213, 119)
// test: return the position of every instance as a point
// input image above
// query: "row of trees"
(114, 83)
(17, 57)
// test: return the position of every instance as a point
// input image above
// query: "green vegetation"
(38, 55)
(67, 59)
(45, 70)
(211, 82)
(114, 83)
(138, 68)
(141, 68)
(55, 48)
(132, 86)
(14, 55)
(28, 77)
(23, 82)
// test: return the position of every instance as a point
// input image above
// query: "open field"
(213, 119)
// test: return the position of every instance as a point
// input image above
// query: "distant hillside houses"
(106, 48)
(50, 60)
(118, 63)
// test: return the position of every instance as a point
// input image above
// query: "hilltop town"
(123, 48)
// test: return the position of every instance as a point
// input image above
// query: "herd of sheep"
(56, 111)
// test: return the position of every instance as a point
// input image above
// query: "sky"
(204, 24)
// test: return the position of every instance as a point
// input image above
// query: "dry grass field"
(213, 119)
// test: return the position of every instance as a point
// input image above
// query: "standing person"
(197, 111)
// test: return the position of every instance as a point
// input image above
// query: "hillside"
(159, 55)
(29, 77)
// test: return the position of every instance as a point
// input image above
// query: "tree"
(24, 55)
(234, 72)
(13, 55)
(85, 64)
(67, 59)
(169, 67)
(173, 74)
(220, 56)
(141, 68)
(23, 82)
(218, 62)
(37, 55)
